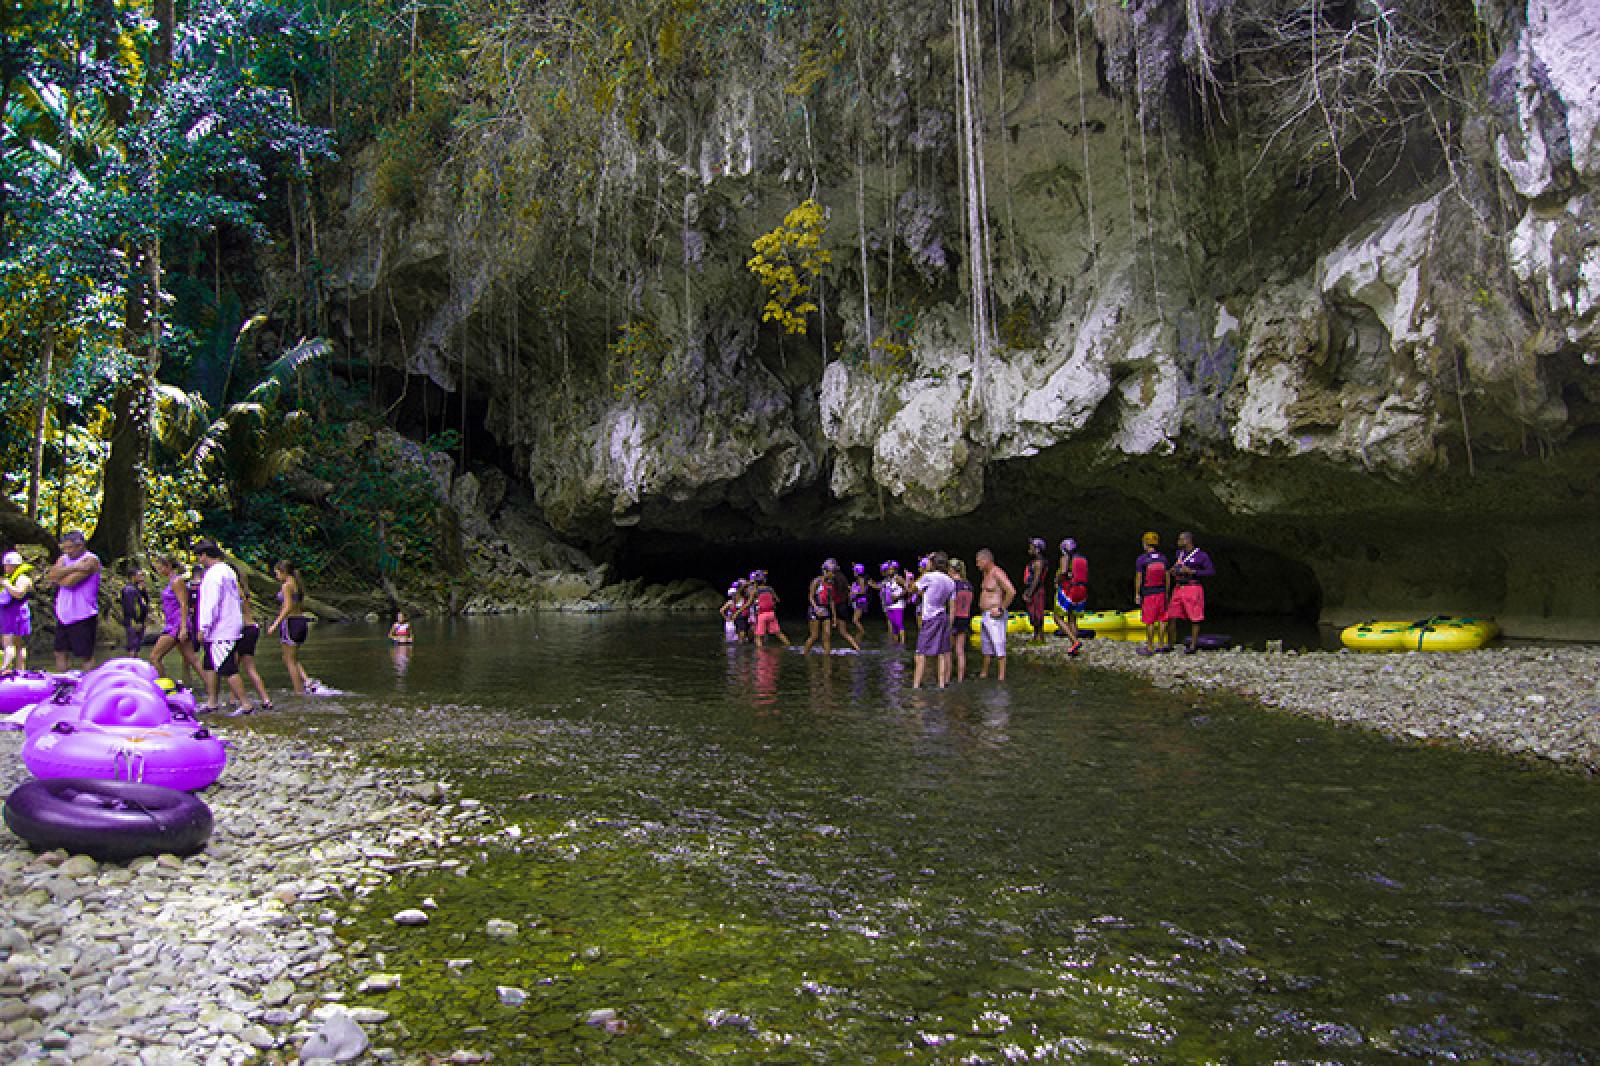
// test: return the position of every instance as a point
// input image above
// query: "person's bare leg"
(248, 668)
(236, 686)
(916, 671)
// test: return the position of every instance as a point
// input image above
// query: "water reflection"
(1068, 865)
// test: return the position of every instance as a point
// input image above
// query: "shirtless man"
(994, 599)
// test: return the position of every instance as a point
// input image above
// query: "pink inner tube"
(178, 755)
(125, 665)
(21, 690)
(126, 702)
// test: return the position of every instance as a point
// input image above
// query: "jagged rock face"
(1394, 393)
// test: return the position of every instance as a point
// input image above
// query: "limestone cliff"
(1319, 283)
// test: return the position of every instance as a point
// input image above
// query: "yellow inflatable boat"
(1442, 633)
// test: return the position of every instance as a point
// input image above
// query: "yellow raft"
(1443, 633)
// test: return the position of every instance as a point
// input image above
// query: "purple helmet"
(859, 569)
(1037, 544)
(1068, 545)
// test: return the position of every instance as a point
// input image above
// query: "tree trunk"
(119, 532)
(41, 420)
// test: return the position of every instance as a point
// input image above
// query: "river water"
(755, 856)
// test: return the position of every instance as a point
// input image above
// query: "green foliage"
(640, 359)
(788, 263)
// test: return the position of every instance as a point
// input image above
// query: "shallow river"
(753, 856)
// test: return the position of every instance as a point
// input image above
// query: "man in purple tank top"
(76, 576)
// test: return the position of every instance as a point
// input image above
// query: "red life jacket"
(1155, 574)
(1075, 582)
(766, 602)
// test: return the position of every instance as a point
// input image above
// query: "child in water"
(892, 589)
(860, 596)
(400, 632)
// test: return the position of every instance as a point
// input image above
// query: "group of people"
(938, 594)
(943, 602)
(205, 615)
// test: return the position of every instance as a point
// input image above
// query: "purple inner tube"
(109, 820)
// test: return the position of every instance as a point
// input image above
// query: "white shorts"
(993, 637)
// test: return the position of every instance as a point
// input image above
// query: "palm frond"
(179, 416)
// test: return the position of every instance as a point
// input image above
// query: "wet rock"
(510, 995)
(499, 927)
(339, 1039)
(411, 916)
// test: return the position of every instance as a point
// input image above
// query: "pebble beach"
(1536, 701)
(229, 955)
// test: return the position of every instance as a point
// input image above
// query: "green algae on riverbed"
(779, 860)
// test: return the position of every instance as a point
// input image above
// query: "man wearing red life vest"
(1072, 595)
(1150, 593)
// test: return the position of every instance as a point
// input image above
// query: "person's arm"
(181, 588)
(1138, 581)
(283, 609)
(1206, 568)
(70, 574)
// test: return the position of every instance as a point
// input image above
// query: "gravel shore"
(1537, 701)
(224, 956)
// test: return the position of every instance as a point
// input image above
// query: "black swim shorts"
(77, 638)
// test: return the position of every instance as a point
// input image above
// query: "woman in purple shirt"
(175, 611)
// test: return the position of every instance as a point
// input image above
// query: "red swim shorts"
(767, 624)
(1153, 608)
(1188, 601)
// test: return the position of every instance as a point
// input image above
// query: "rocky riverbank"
(1534, 701)
(225, 956)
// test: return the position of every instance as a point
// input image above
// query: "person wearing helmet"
(860, 596)
(1150, 592)
(730, 628)
(823, 609)
(766, 610)
(892, 590)
(1036, 587)
(1072, 593)
(16, 620)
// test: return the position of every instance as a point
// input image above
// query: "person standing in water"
(933, 635)
(1036, 587)
(960, 618)
(1150, 593)
(290, 624)
(766, 600)
(860, 597)
(1188, 599)
(134, 600)
(994, 600)
(400, 632)
(1072, 595)
(76, 575)
(893, 593)
(220, 623)
(16, 619)
(175, 615)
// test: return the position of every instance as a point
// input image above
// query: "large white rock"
(1564, 35)
(1384, 270)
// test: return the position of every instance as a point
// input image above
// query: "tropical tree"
(252, 440)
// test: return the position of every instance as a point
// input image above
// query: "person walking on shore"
(16, 619)
(994, 599)
(175, 616)
(134, 600)
(1188, 598)
(960, 618)
(220, 622)
(933, 634)
(249, 637)
(290, 624)
(76, 575)
(1072, 595)
(1036, 587)
(1150, 593)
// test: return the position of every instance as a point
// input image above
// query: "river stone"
(79, 866)
(277, 993)
(379, 982)
(499, 927)
(510, 995)
(411, 916)
(369, 1015)
(339, 1040)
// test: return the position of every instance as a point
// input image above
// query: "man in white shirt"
(933, 635)
(220, 623)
